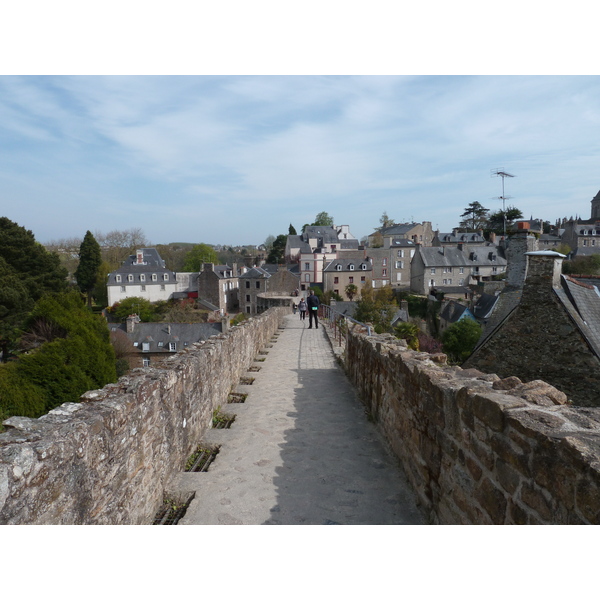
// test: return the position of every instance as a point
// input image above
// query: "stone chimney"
(208, 266)
(493, 238)
(139, 254)
(224, 324)
(519, 244)
(543, 269)
(131, 321)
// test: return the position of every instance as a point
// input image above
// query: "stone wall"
(108, 459)
(476, 448)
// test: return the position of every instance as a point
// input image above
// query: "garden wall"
(476, 448)
(108, 459)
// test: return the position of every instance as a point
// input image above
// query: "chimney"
(522, 225)
(461, 246)
(543, 270)
(519, 244)
(208, 266)
(493, 238)
(131, 321)
(139, 257)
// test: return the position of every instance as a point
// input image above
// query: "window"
(400, 253)
(161, 344)
(447, 269)
(494, 270)
(351, 267)
(432, 282)
(336, 280)
(399, 264)
(143, 288)
(363, 267)
(247, 308)
(307, 266)
(445, 282)
(461, 270)
(247, 297)
(351, 280)
(135, 344)
(258, 285)
(433, 271)
(362, 278)
(336, 292)
(123, 288)
(145, 346)
(461, 282)
(162, 288)
(146, 362)
(338, 267)
(307, 277)
(412, 253)
(172, 346)
(384, 263)
(118, 278)
(247, 284)
(165, 277)
(142, 278)
(398, 276)
(384, 272)
(130, 278)
(154, 277)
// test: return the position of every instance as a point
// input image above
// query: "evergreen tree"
(277, 253)
(292, 230)
(474, 216)
(460, 339)
(90, 259)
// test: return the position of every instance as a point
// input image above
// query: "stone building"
(583, 236)
(392, 263)
(452, 270)
(343, 271)
(552, 333)
(266, 282)
(219, 285)
(418, 233)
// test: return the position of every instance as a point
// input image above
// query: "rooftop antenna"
(502, 173)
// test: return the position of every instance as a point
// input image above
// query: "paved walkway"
(301, 450)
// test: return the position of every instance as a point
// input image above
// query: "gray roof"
(487, 255)
(348, 244)
(324, 234)
(458, 237)
(296, 241)
(255, 273)
(159, 335)
(453, 311)
(582, 302)
(397, 229)
(152, 264)
(402, 243)
(345, 308)
(223, 271)
(485, 305)
(348, 264)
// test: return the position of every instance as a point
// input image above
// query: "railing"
(339, 322)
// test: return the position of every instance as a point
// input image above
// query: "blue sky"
(233, 159)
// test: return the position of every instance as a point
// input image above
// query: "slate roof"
(485, 305)
(397, 229)
(457, 238)
(346, 263)
(402, 243)
(345, 308)
(481, 256)
(183, 334)
(582, 302)
(152, 264)
(223, 271)
(255, 273)
(348, 244)
(454, 311)
(325, 234)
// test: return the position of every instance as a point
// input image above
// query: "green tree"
(141, 307)
(460, 339)
(323, 220)
(292, 230)
(385, 221)
(377, 307)
(69, 352)
(40, 270)
(277, 252)
(408, 332)
(496, 220)
(351, 291)
(474, 217)
(87, 271)
(197, 256)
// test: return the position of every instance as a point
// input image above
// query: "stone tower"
(596, 207)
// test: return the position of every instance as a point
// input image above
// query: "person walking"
(294, 307)
(302, 309)
(312, 303)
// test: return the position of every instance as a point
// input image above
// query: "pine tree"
(90, 259)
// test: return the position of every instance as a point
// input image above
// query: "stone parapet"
(478, 449)
(107, 459)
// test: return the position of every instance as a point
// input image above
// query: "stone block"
(533, 496)
(492, 500)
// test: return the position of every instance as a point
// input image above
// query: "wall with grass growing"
(108, 458)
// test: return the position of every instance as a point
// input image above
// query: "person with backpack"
(302, 309)
(312, 304)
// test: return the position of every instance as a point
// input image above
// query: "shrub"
(460, 339)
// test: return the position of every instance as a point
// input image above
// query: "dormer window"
(166, 277)
(338, 267)
(118, 278)
(130, 278)
(142, 278)
(351, 267)
(363, 267)
(154, 277)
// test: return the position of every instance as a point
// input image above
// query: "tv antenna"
(502, 173)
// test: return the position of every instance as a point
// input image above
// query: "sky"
(233, 159)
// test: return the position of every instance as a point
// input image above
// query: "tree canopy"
(496, 220)
(323, 220)
(90, 260)
(197, 256)
(460, 339)
(385, 220)
(474, 217)
(292, 230)
(277, 252)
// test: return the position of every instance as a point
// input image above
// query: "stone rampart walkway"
(301, 450)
